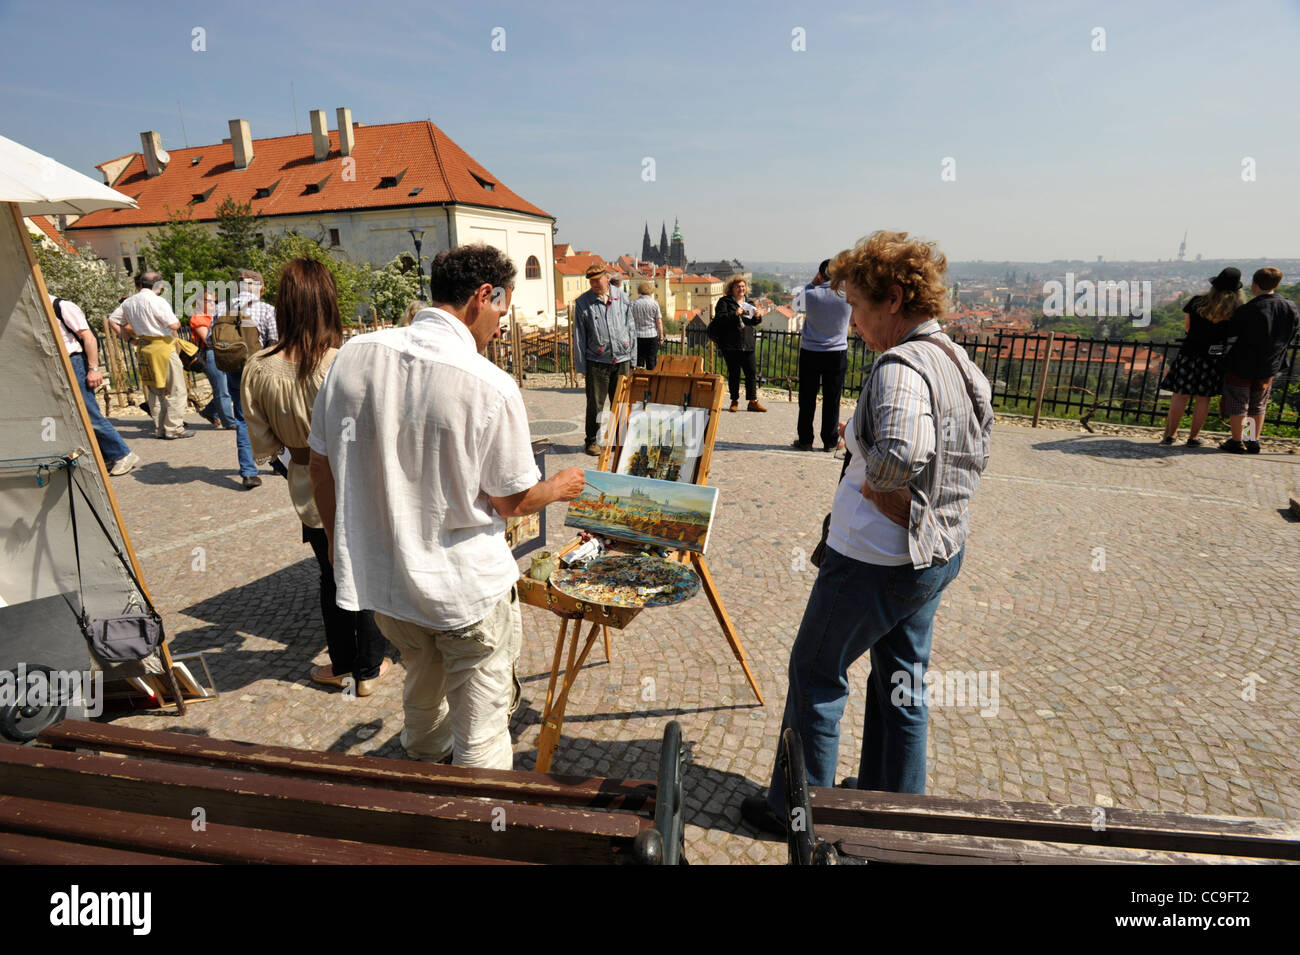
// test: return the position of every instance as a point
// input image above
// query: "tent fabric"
(43, 421)
(43, 187)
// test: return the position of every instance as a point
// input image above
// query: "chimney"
(241, 141)
(320, 135)
(155, 157)
(346, 139)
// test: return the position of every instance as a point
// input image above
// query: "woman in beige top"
(279, 389)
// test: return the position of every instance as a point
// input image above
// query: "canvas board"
(645, 510)
(663, 442)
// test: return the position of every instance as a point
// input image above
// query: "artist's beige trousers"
(458, 686)
(168, 404)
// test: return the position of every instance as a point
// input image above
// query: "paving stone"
(1110, 683)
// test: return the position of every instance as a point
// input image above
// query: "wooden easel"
(678, 380)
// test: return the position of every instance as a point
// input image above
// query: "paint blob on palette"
(644, 510)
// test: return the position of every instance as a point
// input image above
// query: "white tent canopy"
(43, 427)
(43, 187)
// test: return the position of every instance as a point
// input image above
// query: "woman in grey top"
(919, 441)
(649, 324)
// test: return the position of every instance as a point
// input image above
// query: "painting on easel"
(645, 510)
(664, 442)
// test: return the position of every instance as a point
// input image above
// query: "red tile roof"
(421, 153)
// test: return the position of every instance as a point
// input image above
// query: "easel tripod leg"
(728, 628)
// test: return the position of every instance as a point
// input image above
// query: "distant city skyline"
(1005, 132)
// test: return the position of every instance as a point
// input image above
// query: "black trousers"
(821, 371)
(355, 642)
(602, 383)
(647, 352)
(741, 361)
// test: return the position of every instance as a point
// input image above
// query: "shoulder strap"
(58, 313)
(970, 389)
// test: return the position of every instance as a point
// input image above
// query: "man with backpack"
(82, 348)
(240, 328)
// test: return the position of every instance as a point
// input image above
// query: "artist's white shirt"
(147, 313)
(420, 429)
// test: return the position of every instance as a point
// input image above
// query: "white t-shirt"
(420, 429)
(148, 314)
(858, 528)
(73, 318)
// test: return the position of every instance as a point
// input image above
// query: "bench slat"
(19, 849)
(932, 848)
(257, 800)
(632, 795)
(217, 843)
(1176, 832)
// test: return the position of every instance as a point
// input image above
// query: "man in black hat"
(1265, 327)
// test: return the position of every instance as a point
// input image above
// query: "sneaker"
(800, 446)
(1194, 442)
(176, 437)
(754, 810)
(593, 449)
(1167, 439)
(125, 465)
(252, 481)
(755, 406)
(1252, 447)
(1232, 446)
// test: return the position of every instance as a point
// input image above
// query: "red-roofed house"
(359, 189)
(47, 231)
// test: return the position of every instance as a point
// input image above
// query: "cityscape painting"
(645, 510)
(663, 442)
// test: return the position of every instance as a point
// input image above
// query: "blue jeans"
(111, 445)
(247, 467)
(219, 407)
(855, 608)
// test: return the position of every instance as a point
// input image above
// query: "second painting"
(663, 442)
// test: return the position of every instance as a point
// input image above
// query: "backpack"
(234, 337)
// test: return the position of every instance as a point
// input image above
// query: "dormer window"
(201, 196)
(315, 187)
(389, 182)
(195, 160)
(265, 191)
(489, 186)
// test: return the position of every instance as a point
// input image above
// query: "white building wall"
(378, 236)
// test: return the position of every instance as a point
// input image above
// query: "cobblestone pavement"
(1127, 606)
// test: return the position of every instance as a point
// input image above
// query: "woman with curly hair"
(1198, 369)
(918, 442)
(279, 389)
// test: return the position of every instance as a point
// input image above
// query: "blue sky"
(762, 151)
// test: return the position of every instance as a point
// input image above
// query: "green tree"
(391, 289)
(184, 251)
(82, 277)
(351, 281)
(237, 238)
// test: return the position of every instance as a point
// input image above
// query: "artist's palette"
(620, 580)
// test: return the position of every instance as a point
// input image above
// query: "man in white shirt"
(83, 350)
(419, 450)
(146, 315)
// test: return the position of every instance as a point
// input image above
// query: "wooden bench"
(853, 825)
(271, 804)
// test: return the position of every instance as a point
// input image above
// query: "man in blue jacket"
(604, 344)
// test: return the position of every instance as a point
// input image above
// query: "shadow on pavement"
(1098, 446)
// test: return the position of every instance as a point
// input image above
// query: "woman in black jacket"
(1198, 370)
(733, 330)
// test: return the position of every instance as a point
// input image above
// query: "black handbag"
(122, 639)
